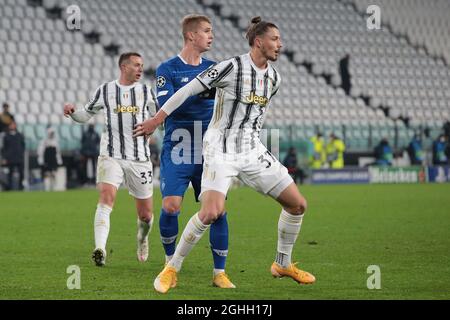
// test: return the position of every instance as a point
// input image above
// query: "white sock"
(217, 271)
(288, 230)
(168, 258)
(144, 228)
(192, 233)
(101, 225)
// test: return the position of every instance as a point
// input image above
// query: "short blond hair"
(190, 23)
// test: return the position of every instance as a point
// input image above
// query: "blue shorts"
(175, 178)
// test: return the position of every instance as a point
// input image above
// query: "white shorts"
(258, 169)
(137, 176)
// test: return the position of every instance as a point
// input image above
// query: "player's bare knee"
(217, 217)
(171, 209)
(299, 207)
(146, 218)
(302, 206)
(210, 214)
(170, 206)
(145, 214)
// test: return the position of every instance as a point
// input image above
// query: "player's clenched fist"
(145, 128)
(68, 109)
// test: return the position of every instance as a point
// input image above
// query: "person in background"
(318, 156)
(291, 163)
(446, 129)
(383, 153)
(49, 159)
(439, 148)
(335, 152)
(13, 154)
(415, 150)
(6, 118)
(90, 141)
(345, 74)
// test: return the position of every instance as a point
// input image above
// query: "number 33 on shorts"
(137, 176)
(146, 177)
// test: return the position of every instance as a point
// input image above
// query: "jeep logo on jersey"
(213, 73)
(126, 109)
(253, 98)
(161, 81)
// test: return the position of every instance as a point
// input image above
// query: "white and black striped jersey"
(123, 107)
(243, 94)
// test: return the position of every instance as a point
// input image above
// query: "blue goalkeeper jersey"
(171, 75)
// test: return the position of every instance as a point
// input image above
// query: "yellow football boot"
(166, 279)
(221, 280)
(293, 272)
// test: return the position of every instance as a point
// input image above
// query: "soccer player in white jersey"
(123, 158)
(245, 86)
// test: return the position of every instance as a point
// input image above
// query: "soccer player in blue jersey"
(181, 156)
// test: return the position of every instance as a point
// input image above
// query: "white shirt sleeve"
(152, 102)
(192, 88)
(96, 103)
(218, 75)
(277, 85)
(81, 116)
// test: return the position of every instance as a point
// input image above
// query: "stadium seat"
(41, 129)
(31, 140)
(54, 119)
(40, 48)
(76, 131)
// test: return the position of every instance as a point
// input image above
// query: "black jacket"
(90, 143)
(13, 148)
(290, 161)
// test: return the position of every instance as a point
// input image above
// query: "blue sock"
(168, 228)
(218, 238)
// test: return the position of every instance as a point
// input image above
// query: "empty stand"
(43, 64)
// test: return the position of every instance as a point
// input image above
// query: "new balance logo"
(168, 240)
(185, 79)
(221, 253)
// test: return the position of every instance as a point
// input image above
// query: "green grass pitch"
(403, 229)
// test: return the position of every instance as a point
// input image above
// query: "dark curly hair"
(256, 28)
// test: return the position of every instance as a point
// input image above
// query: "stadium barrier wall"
(341, 176)
(374, 174)
(439, 174)
(416, 174)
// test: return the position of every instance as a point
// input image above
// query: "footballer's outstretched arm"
(80, 115)
(149, 126)
(83, 115)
